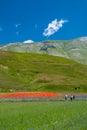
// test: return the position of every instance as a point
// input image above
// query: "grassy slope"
(34, 72)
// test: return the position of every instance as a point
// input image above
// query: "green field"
(36, 72)
(64, 115)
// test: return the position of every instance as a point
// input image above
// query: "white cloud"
(53, 27)
(28, 41)
(17, 25)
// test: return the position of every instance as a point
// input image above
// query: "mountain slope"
(73, 49)
(36, 72)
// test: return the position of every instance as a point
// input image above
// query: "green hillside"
(36, 72)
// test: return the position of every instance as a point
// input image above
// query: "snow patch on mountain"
(28, 41)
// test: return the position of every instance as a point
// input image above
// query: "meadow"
(58, 115)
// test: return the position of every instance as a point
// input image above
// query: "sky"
(39, 20)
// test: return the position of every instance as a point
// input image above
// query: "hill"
(75, 49)
(36, 72)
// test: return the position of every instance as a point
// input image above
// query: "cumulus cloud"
(28, 41)
(53, 27)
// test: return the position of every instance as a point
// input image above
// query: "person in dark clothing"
(73, 97)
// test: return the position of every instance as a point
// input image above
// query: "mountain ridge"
(75, 49)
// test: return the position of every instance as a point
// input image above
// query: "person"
(66, 97)
(71, 97)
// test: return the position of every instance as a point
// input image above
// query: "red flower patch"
(30, 95)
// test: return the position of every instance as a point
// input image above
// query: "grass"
(69, 115)
(36, 72)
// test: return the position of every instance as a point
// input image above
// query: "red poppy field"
(30, 95)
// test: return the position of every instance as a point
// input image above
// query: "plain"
(64, 115)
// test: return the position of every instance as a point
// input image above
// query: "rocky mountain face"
(75, 49)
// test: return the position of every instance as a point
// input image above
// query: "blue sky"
(39, 20)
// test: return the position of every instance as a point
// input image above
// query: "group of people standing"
(71, 97)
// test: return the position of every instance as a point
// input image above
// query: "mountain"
(75, 49)
(38, 72)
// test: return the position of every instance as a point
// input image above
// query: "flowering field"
(43, 115)
(30, 95)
